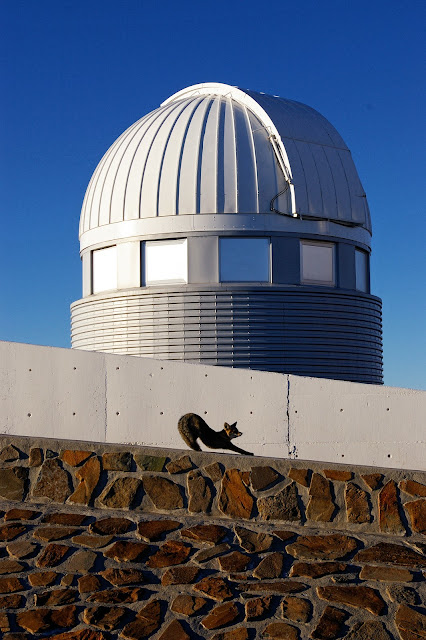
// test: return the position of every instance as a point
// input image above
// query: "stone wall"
(101, 541)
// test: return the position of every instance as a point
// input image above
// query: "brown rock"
(174, 631)
(34, 620)
(10, 566)
(207, 554)
(106, 618)
(373, 480)
(73, 457)
(80, 561)
(53, 482)
(215, 588)
(180, 575)
(21, 549)
(180, 465)
(154, 529)
(285, 535)
(13, 483)
(126, 551)
(220, 616)
(149, 463)
(121, 493)
(328, 547)
(164, 493)
(410, 622)
(118, 596)
(282, 506)
(13, 601)
(67, 519)
(42, 578)
(235, 500)
(199, 492)
(53, 533)
(88, 475)
(386, 574)
(281, 631)
(413, 488)
(402, 595)
(330, 624)
(388, 553)
(357, 504)
(320, 506)
(11, 531)
(117, 461)
(279, 586)
(88, 583)
(235, 561)
(417, 512)
(36, 457)
(52, 555)
(171, 553)
(148, 620)
(111, 526)
(214, 471)
(20, 514)
(354, 596)
(389, 517)
(301, 476)
(317, 569)
(253, 542)
(240, 633)
(211, 533)
(337, 474)
(9, 453)
(368, 630)
(67, 580)
(81, 634)
(270, 566)
(296, 609)
(4, 622)
(94, 542)
(258, 607)
(119, 577)
(262, 477)
(55, 597)
(187, 605)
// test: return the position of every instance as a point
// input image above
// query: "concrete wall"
(61, 393)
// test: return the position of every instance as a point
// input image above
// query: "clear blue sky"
(75, 74)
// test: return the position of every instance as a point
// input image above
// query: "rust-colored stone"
(53, 482)
(34, 620)
(73, 457)
(329, 547)
(4, 622)
(330, 624)
(281, 631)
(55, 597)
(13, 601)
(282, 506)
(171, 553)
(199, 493)
(119, 595)
(402, 595)
(106, 618)
(21, 549)
(9, 453)
(149, 463)
(413, 488)
(368, 630)
(81, 634)
(258, 607)
(180, 575)
(54, 533)
(252, 541)
(270, 566)
(67, 580)
(296, 609)
(111, 526)
(126, 551)
(220, 616)
(174, 631)
(13, 483)
(66, 519)
(235, 500)
(180, 465)
(410, 622)
(35, 457)
(88, 583)
(316, 569)
(278, 586)
(80, 561)
(235, 561)
(389, 516)
(187, 605)
(94, 542)
(214, 471)
(11, 531)
(216, 588)
(10, 566)
(154, 529)
(386, 574)
(262, 477)
(148, 620)
(20, 514)
(119, 577)
(354, 596)
(285, 535)
(52, 555)
(163, 493)
(388, 553)
(42, 578)
(373, 480)
(211, 533)
(357, 504)
(301, 476)
(117, 461)
(239, 633)
(320, 506)
(417, 512)
(88, 475)
(338, 474)
(212, 552)
(121, 493)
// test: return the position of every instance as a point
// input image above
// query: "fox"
(191, 427)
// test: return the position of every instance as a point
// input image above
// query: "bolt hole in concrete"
(343, 455)
(117, 413)
(251, 413)
(205, 413)
(29, 415)
(161, 368)
(31, 370)
(387, 409)
(341, 410)
(75, 368)
(161, 413)
(389, 455)
(73, 413)
(117, 368)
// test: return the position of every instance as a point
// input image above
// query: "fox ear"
(226, 425)
(233, 425)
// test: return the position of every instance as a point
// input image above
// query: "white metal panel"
(266, 165)
(313, 185)
(246, 162)
(229, 161)
(325, 177)
(208, 179)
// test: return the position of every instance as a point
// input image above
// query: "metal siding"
(208, 180)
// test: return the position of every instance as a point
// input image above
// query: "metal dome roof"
(213, 148)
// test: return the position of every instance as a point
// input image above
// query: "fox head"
(231, 430)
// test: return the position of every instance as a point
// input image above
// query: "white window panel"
(104, 269)
(166, 262)
(317, 262)
(361, 271)
(244, 260)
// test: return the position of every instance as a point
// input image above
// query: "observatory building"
(229, 227)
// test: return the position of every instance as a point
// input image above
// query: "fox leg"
(190, 441)
(238, 450)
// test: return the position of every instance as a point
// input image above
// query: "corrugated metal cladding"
(306, 332)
